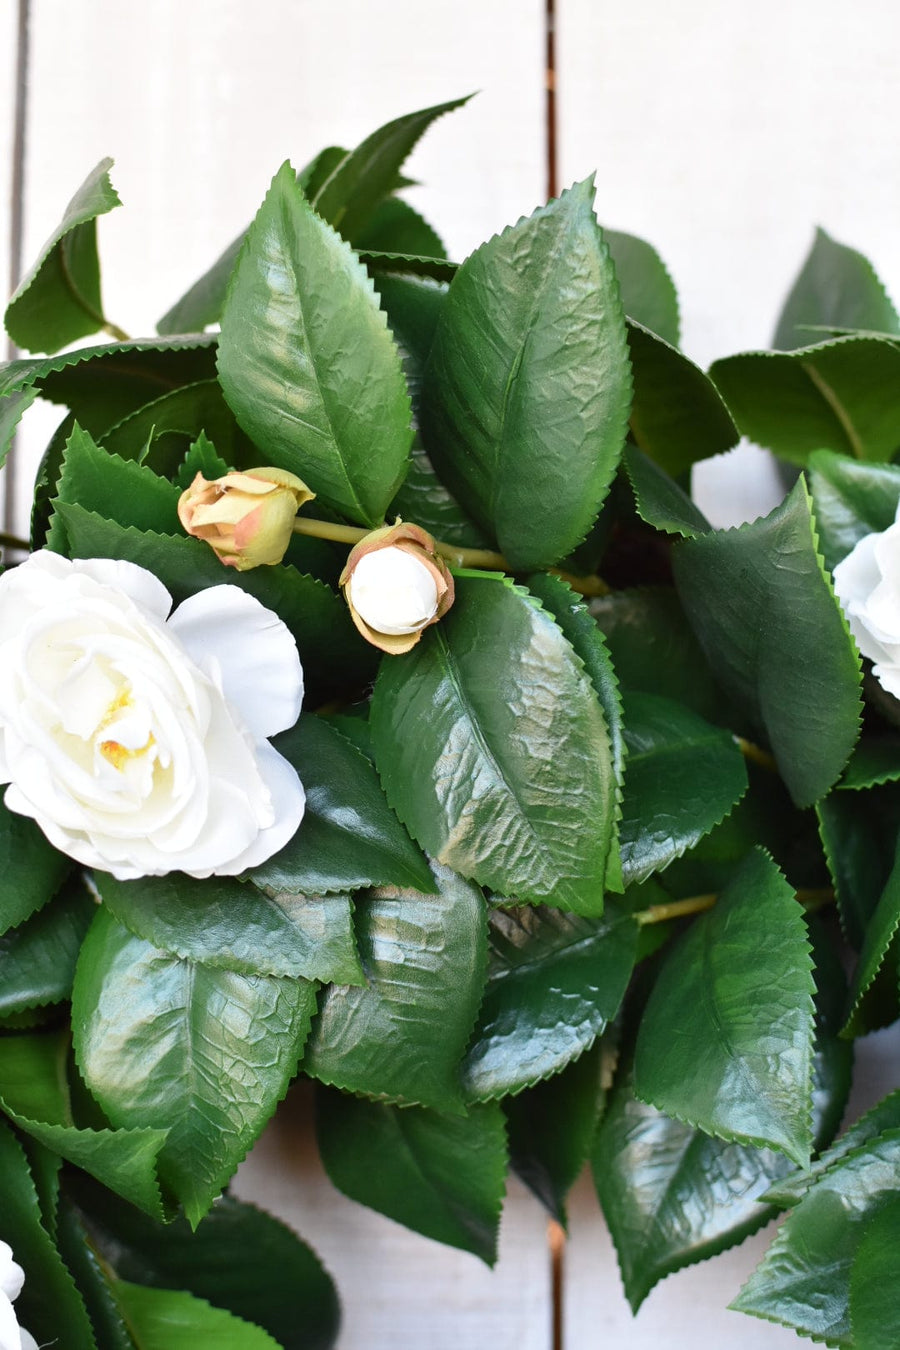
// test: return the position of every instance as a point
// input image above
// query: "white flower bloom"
(138, 740)
(12, 1277)
(394, 591)
(867, 584)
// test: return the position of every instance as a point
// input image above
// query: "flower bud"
(396, 585)
(246, 518)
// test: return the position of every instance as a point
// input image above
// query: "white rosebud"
(395, 585)
(393, 591)
(12, 1277)
(138, 739)
(867, 584)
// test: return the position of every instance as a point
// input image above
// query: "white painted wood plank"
(399, 1289)
(725, 133)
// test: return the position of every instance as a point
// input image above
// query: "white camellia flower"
(12, 1277)
(136, 738)
(867, 584)
(394, 591)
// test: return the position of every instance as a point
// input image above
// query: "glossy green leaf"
(671, 1194)
(172, 1044)
(554, 983)
(358, 183)
(117, 489)
(837, 288)
(765, 613)
(59, 299)
(654, 649)
(233, 925)
(842, 395)
(804, 1278)
(875, 761)
(682, 777)
(880, 933)
(34, 1093)
(37, 959)
(240, 1259)
(306, 362)
(551, 1125)
(659, 500)
(850, 500)
(647, 290)
(164, 1319)
(93, 1281)
(349, 836)
(443, 1176)
(883, 1117)
(203, 458)
(725, 1042)
(12, 409)
(874, 1298)
(333, 655)
(522, 440)
(678, 416)
(31, 870)
(422, 952)
(859, 839)
(50, 1305)
(381, 265)
(160, 432)
(494, 751)
(395, 227)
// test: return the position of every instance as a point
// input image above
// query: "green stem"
(756, 754)
(696, 904)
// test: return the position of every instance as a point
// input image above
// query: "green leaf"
(682, 777)
(551, 1126)
(804, 1278)
(117, 489)
(859, 839)
(173, 1044)
(333, 655)
(672, 1195)
(163, 1319)
(874, 1304)
(678, 416)
(37, 959)
(201, 458)
(883, 1117)
(349, 836)
(422, 952)
(50, 1305)
(59, 299)
(494, 751)
(31, 870)
(201, 304)
(555, 981)
(233, 925)
(765, 613)
(306, 362)
(161, 431)
(240, 1259)
(659, 500)
(381, 265)
(35, 1095)
(654, 650)
(880, 933)
(443, 1176)
(395, 227)
(842, 395)
(725, 1043)
(875, 761)
(94, 1286)
(837, 288)
(521, 439)
(648, 292)
(850, 500)
(357, 185)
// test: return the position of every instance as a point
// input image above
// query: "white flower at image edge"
(867, 584)
(136, 738)
(12, 1277)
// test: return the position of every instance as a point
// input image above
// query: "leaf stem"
(756, 754)
(810, 899)
(13, 541)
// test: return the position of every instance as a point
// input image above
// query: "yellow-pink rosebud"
(246, 517)
(396, 585)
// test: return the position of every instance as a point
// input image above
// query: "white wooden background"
(722, 131)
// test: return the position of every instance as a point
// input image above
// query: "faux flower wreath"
(532, 879)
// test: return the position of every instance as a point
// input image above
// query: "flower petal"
(289, 802)
(141, 586)
(248, 652)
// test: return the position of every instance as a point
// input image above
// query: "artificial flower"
(867, 584)
(246, 518)
(395, 585)
(136, 737)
